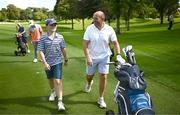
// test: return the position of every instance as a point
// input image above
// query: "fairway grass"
(24, 88)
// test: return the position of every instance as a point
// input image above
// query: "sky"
(23, 4)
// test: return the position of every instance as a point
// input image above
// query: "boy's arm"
(46, 65)
(64, 55)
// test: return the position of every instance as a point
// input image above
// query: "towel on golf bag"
(131, 77)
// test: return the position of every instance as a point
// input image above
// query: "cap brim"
(52, 23)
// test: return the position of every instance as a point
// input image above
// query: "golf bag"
(21, 47)
(130, 94)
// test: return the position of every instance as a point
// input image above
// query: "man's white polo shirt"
(99, 40)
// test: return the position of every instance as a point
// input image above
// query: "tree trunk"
(83, 23)
(127, 24)
(109, 21)
(161, 18)
(72, 23)
(118, 24)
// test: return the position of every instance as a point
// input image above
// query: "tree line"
(82, 9)
(14, 13)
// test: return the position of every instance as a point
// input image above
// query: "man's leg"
(102, 84)
(90, 70)
(103, 70)
(35, 51)
(89, 79)
(102, 87)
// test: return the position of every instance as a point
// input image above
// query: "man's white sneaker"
(101, 103)
(88, 87)
(52, 96)
(61, 106)
(35, 60)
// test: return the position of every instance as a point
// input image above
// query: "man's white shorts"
(100, 64)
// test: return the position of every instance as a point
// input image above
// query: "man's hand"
(89, 61)
(120, 59)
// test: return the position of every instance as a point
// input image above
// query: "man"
(35, 32)
(52, 47)
(170, 20)
(22, 32)
(97, 52)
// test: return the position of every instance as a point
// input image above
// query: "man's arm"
(116, 46)
(118, 56)
(86, 52)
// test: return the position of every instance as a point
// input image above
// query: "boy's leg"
(58, 75)
(50, 78)
(53, 93)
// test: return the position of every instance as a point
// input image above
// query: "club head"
(124, 51)
(130, 55)
(128, 48)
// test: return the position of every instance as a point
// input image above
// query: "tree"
(71, 11)
(29, 13)
(3, 14)
(86, 8)
(129, 8)
(165, 6)
(61, 8)
(39, 15)
(116, 8)
(13, 12)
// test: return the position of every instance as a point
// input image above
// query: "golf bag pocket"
(140, 102)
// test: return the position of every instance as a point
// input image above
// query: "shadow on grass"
(37, 102)
(67, 99)
(40, 102)
(7, 54)
(15, 61)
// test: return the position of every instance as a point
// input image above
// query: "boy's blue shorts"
(55, 71)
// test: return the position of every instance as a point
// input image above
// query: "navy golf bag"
(130, 93)
(21, 47)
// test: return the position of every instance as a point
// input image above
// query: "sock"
(59, 98)
(52, 90)
(101, 98)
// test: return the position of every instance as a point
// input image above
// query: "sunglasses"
(53, 24)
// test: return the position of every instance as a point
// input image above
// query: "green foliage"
(13, 12)
(166, 7)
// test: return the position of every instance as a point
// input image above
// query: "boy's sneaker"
(52, 96)
(101, 103)
(35, 60)
(61, 106)
(88, 87)
(28, 51)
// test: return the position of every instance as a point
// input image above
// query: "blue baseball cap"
(50, 21)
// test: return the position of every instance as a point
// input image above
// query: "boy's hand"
(46, 66)
(66, 62)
